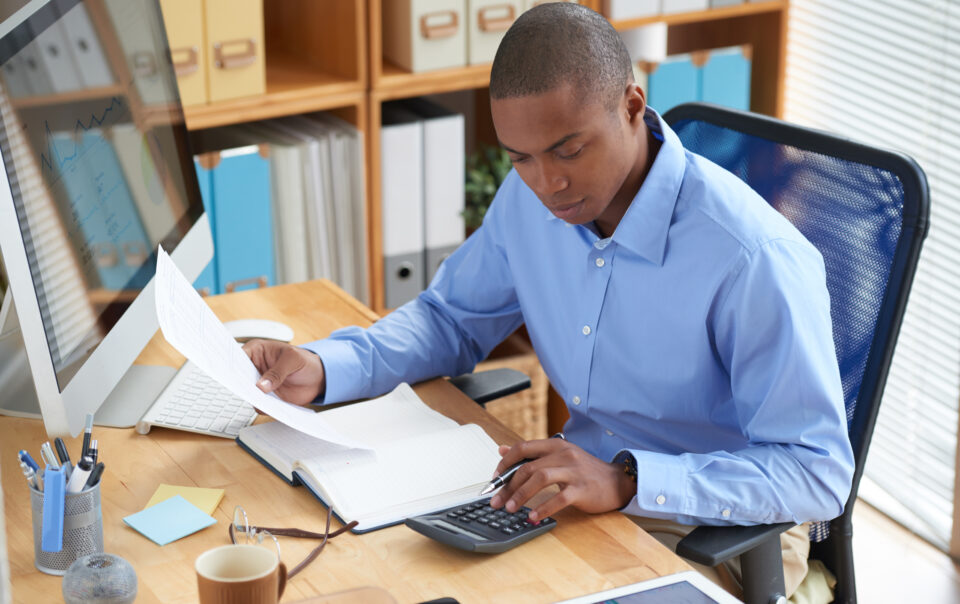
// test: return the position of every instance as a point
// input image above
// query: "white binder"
(401, 177)
(444, 159)
(85, 46)
(54, 53)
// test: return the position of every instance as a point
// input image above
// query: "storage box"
(188, 48)
(683, 6)
(421, 35)
(235, 49)
(487, 21)
(630, 9)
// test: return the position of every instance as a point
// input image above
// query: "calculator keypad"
(482, 518)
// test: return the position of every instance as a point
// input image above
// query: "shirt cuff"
(661, 485)
(341, 370)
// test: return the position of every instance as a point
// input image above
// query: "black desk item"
(477, 527)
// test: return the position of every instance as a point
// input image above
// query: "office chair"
(867, 211)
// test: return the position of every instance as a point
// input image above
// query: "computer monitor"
(96, 173)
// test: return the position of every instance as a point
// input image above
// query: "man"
(684, 321)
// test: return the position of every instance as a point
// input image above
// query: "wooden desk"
(582, 555)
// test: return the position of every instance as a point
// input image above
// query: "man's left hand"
(586, 483)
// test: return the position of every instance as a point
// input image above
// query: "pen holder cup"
(82, 530)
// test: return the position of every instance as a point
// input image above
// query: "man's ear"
(636, 102)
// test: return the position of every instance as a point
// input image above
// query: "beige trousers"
(795, 545)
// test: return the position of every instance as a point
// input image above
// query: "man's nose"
(552, 180)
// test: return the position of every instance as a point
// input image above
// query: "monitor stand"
(129, 400)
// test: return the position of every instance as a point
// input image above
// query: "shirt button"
(586, 330)
(661, 499)
(609, 433)
(599, 262)
(725, 513)
(576, 400)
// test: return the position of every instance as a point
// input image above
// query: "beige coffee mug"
(240, 574)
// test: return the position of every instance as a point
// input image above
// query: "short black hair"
(558, 43)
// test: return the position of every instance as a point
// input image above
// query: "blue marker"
(25, 458)
(55, 490)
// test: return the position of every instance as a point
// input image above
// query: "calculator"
(477, 527)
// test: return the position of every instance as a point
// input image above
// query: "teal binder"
(101, 212)
(673, 81)
(725, 77)
(243, 225)
(206, 283)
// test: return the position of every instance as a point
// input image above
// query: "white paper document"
(195, 331)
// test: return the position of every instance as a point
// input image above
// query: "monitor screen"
(97, 164)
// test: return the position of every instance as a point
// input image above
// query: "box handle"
(261, 281)
(232, 60)
(493, 23)
(189, 60)
(445, 29)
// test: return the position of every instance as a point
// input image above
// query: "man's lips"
(567, 210)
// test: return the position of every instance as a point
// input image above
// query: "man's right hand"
(294, 374)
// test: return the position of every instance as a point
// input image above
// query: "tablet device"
(689, 587)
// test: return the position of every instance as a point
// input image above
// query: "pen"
(94, 448)
(80, 475)
(46, 453)
(87, 431)
(507, 474)
(30, 474)
(63, 454)
(94, 476)
(61, 450)
(25, 458)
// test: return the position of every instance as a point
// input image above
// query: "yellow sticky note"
(205, 499)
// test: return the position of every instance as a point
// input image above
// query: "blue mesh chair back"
(866, 211)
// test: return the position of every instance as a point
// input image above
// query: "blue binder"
(674, 81)
(243, 229)
(206, 283)
(726, 78)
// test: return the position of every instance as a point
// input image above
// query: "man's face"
(574, 154)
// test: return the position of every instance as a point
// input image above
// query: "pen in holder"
(82, 529)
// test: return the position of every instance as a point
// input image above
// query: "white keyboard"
(194, 402)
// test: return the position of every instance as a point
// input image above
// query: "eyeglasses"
(242, 532)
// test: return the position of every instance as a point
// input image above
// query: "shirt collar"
(643, 228)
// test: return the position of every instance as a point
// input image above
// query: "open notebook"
(422, 461)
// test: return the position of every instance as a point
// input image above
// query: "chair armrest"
(485, 386)
(712, 545)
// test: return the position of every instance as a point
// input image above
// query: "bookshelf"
(326, 55)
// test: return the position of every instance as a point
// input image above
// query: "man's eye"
(570, 155)
(517, 160)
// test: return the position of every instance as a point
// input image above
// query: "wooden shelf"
(74, 96)
(293, 87)
(703, 16)
(395, 82)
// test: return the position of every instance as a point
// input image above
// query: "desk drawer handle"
(239, 58)
(261, 281)
(494, 23)
(443, 29)
(186, 60)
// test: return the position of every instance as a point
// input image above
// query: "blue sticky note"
(169, 520)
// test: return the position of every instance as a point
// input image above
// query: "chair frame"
(712, 545)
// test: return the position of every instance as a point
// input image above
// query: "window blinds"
(887, 73)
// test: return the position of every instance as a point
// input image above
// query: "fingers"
(530, 480)
(287, 362)
(529, 449)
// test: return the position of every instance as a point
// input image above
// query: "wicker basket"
(526, 411)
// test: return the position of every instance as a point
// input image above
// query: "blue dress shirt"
(697, 338)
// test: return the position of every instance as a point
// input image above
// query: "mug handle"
(282, 583)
